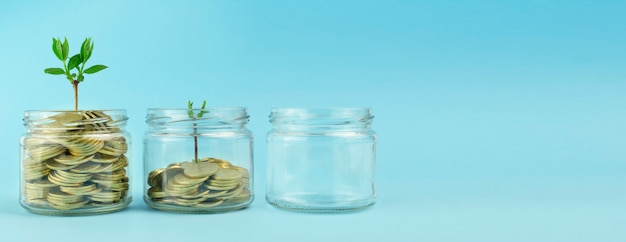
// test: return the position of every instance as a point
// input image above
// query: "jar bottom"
(317, 203)
(95, 210)
(224, 207)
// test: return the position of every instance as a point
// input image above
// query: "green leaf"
(66, 49)
(81, 78)
(94, 69)
(190, 108)
(57, 48)
(74, 61)
(54, 71)
(202, 111)
(84, 50)
(90, 49)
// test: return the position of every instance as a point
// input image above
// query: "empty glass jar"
(198, 161)
(321, 160)
(75, 162)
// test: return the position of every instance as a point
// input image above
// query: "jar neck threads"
(37, 121)
(321, 119)
(179, 120)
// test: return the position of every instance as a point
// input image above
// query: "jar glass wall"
(75, 162)
(321, 160)
(198, 162)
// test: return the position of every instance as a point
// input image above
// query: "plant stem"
(75, 84)
(195, 145)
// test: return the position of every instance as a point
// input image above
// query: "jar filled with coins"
(198, 160)
(75, 162)
(321, 159)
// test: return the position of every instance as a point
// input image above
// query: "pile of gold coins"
(76, 160)
(208, 183)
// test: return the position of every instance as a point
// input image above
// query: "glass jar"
(198, 161)
(321, 160)
(75, 162)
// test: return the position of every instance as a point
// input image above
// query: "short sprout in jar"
(194, 184)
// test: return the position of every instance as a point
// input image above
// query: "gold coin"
(82, 190)
(72, 159)
(106, 196)
(84, 146)
(180, 191)
(156, 192)
(34, 171)
(183, 179)
(58, 197)
(102, 158)
(62, 121)
(97, 120)
(114, 148)
(117, 175)
(122, 186)
(155, 178)
(219, 188)
(66, 118)
(244, 172)
(232, 193)
(220, 162)
(43, 153)
(69, 179)
(36, 193)
(37, 202)
(69, 206)
(44, 183)
(206, 194)
(120, 163)
(87, 167)
(32, 142)
(175, 165)
(72, 176)
(118, 143)
(227, 174)
(106, 182)
(199, 170)
(208, 204)
(52, 164)
(242, 197)
(171, 171)
(220, 183)
(173, 185)
(61, 182)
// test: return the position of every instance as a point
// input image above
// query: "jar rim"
(323, 109)
(328, 112)
(73, 119)
(213, 117)
(72, 111)
(209, 108)
(343, 118)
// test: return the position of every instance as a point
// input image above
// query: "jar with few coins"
(75, 162)
(321, 159)
(198, 160)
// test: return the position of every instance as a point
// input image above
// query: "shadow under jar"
(321, 160)
(75, 162)
(198, 161)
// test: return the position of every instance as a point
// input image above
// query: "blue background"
(498, 120)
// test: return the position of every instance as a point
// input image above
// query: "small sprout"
(77, 62)
(190, 110)
(195, 130)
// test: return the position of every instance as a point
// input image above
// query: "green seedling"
(191, 114)
(74, 69)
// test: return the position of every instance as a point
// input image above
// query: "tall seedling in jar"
(74, 69)
(74, 162)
